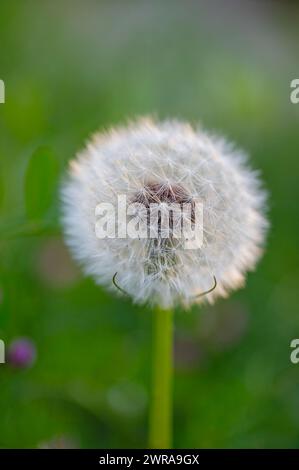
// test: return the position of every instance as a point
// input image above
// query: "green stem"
(161, 406)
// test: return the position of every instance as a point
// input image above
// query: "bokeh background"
(70, 68)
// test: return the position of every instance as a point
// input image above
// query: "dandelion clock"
(168, 215)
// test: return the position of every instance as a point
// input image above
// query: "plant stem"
(161, 405)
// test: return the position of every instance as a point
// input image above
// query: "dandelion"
(162, 164)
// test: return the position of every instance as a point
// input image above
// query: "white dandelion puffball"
(157, 164)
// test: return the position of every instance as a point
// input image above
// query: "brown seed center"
(156, 193)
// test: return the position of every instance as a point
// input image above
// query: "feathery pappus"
(164, 163)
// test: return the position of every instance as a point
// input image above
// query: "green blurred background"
(70, 68)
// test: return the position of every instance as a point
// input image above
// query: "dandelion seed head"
(164, 163)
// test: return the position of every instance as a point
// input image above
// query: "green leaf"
(40, 182)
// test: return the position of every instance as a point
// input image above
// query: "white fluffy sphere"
(156, 160)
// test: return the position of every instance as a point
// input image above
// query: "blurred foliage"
(40, 182)
(69, 69)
